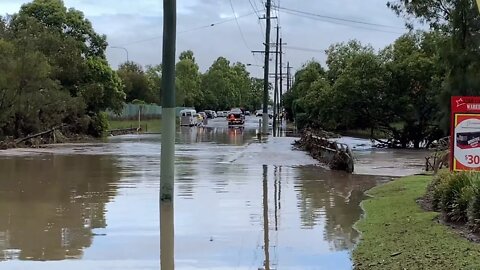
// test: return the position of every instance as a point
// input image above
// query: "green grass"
(398, 234)
(150, 126)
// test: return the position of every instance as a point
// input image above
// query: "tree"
(339, 54)
(136, 83)
(154, 79)
(460, 21)
(74, 50)
(256, 94)
(416, 75)
(304, 78)
(217, 87)
(54, 71)
(188, 81)
(240, 79)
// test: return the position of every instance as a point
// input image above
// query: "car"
(247, 113)
(221, 114)
(236, 117)
(210, 114)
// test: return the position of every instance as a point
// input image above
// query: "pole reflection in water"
(265, 218)
(275, 176)
(167, 237)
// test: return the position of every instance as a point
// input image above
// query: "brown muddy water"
(95, 206)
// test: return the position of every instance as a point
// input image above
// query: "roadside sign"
(465, 134)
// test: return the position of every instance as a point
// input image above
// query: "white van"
(188, 117)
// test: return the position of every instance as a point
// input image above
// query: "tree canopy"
(54, 71)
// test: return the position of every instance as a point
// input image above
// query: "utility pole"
(280, 106)
(288, 76)
(266, 70)
(275, 92)
(167, 163)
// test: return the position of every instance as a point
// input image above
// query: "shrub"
(435, 188)
(301, 119)
(98, 124)
(457, 196)
(452, 202)
(473, 211)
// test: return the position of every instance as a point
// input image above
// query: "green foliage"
(188, 81)
(136, 83)
(225, 86)
(98, 124)
(473, 211)
(459, 21)
(392, 92)
(53, 71)
(456, 195)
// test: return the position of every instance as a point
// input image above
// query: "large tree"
(136, 83)
(459, 20)
(54, 71)
(188, 81)
(74, 50)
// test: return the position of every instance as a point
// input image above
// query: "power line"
(340, 23)
(254, 7)
(192, 29)
(336, 18)
(303, 49)
(240, 30)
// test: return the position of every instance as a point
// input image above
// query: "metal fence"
(131, 111)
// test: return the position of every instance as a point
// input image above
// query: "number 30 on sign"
(467, 142)
(465, 133)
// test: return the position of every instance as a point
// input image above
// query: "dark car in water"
(236, 117)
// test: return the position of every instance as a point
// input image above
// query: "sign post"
(465, 134)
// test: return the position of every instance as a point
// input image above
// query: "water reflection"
(49, 206)
(219, 135)
(239, 204)
(332, 198)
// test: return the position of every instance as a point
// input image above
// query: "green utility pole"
(168, 101)
(266, 70)
(167, 163)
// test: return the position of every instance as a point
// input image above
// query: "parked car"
(187, 117)
(236, 117)
(210, 114)
(221, 114)
(247, 113)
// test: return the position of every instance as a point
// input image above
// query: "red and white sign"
(465, 133)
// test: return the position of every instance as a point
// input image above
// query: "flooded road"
(95, 206)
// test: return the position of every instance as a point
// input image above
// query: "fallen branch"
(38, 134)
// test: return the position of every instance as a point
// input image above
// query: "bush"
(473, 211)
(98, 124)
(457, 196)
(301, 120)
(434, 189)
(452, 203)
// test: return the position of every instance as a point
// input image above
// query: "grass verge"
(398, 234)
(149, 126)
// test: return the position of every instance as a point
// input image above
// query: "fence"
(147, 111)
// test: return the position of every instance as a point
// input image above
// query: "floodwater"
(240, 203)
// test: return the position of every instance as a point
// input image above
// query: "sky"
(307, 27)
